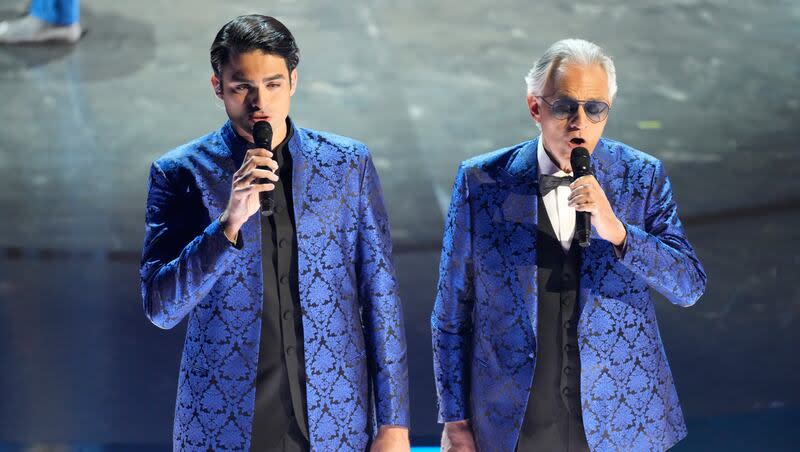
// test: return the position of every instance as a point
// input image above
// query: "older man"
(540, 344)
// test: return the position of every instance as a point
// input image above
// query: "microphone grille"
(262, 132)
(580, 162)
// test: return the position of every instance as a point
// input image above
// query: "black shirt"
(279, 415)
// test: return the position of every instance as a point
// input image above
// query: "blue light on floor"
(425, 449)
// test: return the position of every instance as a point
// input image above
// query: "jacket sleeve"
(660, 253)
(380, 301)
(180, 262)
(451, 321)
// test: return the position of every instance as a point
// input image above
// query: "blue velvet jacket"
(355, 348)
(484, 318)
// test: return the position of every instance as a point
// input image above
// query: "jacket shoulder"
(188, 154)
(632, 158)
(493, 160)
(326, 144)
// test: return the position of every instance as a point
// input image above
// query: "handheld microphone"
(262, 138)
(580, 160)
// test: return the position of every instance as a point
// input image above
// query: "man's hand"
(457, 437)
(391, 439)
(245, 188)
(588, 196)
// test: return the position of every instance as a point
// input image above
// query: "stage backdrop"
(710, 87)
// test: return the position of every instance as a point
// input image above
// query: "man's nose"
(259, 98)
(579, 120)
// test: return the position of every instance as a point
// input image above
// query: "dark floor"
(711, 87)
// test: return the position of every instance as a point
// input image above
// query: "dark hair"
(253, 32)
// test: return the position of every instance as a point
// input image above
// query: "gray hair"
(569, 51)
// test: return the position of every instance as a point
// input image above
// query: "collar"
(546, 165)
(524, 162)
(239, 146)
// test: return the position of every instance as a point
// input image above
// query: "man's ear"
(216, 85)
(534, 108)
(293, 81)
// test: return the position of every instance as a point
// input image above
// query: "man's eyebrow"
(239, 77)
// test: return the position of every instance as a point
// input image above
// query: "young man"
(295, 338)
(540, 344)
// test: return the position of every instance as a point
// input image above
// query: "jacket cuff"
(239, 244)
(636, 241)
(216, 233)
(622, 250)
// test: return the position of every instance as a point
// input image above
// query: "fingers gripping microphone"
(580, 161)
(262, 138)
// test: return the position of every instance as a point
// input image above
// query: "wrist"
(394, 431)
(621, 234)
(456, 426)
(229, 227)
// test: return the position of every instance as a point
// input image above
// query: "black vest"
(553, 419)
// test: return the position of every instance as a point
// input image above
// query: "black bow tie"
(549, 183)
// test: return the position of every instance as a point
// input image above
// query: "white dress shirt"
(562, 216)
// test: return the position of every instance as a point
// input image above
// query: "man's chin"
(244, 130)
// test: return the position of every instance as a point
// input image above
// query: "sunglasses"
(564, 107)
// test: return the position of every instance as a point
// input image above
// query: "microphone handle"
(583, 228)
(265, 197)
(583, 220)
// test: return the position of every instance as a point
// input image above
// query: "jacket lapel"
(520, 179)
(600, 253)
(297, 147)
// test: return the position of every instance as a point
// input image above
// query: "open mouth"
(577, 141)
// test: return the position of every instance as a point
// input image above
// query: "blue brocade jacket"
(355, 348)
(484, 318)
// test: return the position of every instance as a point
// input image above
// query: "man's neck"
(563, 166)
(278, 135)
